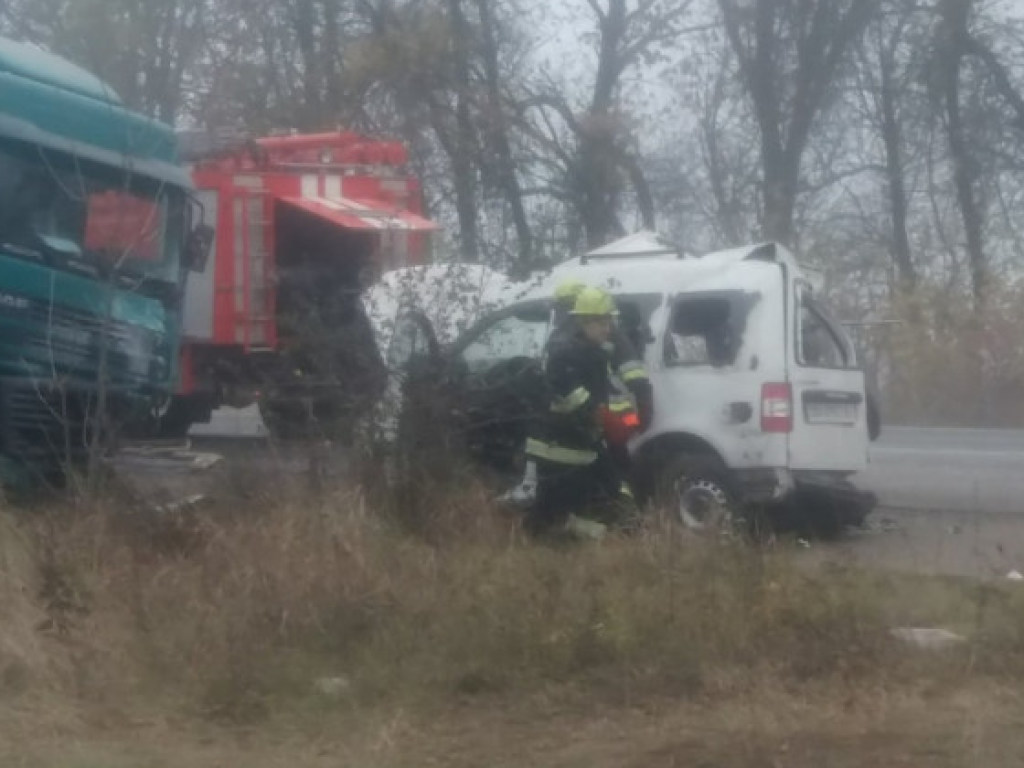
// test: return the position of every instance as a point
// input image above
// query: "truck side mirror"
(197, 247)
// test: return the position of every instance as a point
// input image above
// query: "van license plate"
(831, 413)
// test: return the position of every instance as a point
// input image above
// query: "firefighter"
(575, 471)
(631, 403)
(561, 329)
(631, 397)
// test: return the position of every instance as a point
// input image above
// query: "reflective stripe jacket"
(577, 380)
(629, 369)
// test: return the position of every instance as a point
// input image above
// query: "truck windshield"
(87, 217)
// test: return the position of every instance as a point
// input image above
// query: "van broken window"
(821, 344)
(708, 328)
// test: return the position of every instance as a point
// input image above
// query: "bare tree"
(496, 129)
(460, 145)
(951, 47)
(790, 53)
(144, 49)
(602, 157)
(889, 58)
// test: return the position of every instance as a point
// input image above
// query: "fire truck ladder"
(257, 277)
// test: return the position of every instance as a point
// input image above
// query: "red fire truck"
(303, 223)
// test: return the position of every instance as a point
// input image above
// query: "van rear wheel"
(695, 488)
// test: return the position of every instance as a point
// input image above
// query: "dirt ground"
(978, 724)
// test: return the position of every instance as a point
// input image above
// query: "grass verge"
(301, 609)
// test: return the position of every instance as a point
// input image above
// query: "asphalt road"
(958, 470)
(962, 470)
(951, 500)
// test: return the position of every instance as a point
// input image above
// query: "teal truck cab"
(95, 239)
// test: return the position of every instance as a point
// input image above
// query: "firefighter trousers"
(595, 491)
(620, 458)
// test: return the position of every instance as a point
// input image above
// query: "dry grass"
(227, 618)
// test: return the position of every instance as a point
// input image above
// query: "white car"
(759, 396)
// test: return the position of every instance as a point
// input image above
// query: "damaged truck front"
(94, 241)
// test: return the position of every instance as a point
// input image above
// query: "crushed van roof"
(733, 268)
(453, 296)
(642, 243)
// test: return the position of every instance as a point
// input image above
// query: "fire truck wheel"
(177, 418)
(279, 422)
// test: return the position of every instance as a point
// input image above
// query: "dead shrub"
(269, 600)
(947, 364)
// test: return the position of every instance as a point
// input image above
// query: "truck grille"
(66, 341)
(40, 424)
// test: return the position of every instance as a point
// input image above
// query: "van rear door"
(829, 422)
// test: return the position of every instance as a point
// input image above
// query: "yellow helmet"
(569, 290)
(594, 302)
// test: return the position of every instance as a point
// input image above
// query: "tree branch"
(1001, 76)
(595, 6)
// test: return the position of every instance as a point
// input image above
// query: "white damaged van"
(760, 399)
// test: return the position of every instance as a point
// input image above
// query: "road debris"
(333, 687)
(586, 529)
(167, 455)
(180, 505)
(928, 638)
(1015, 576)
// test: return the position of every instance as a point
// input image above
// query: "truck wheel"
(176, 419)
(280, 422)
(874, 416)
(695, 488)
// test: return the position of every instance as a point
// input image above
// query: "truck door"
(829, 429)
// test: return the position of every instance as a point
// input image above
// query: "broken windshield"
(88, 218)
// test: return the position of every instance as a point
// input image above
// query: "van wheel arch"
(688, 476)
(652, 456)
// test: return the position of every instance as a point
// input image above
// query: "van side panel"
(719, 400)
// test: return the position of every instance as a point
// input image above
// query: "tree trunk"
(780, 189)
(819, 35)
(892, 140)
(461, 149)
(644, 198)
(951, 57)
(498, 129)
(304, 23)
(332, 53)
(597, 164)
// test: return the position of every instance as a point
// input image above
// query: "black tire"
(874, 416)
(828, 515)
(698, 492)
(280, 422)
(177, 420)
